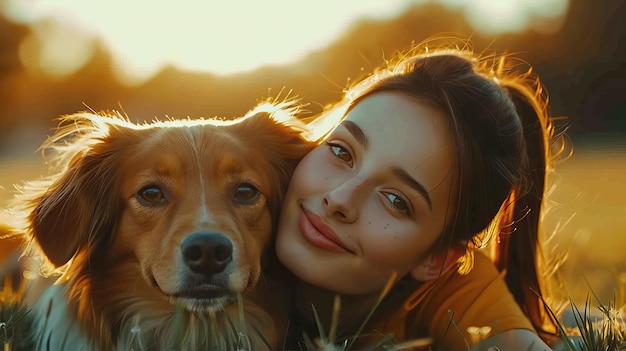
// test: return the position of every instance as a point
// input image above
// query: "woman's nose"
(341, 202)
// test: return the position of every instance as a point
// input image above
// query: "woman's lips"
(318, 233)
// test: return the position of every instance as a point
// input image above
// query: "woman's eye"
(246, 193)
(398, 203)
(151, 195)
(340, 152)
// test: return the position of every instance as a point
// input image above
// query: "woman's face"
(370, 200)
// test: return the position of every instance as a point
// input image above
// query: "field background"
(585, 215)
(581, 56)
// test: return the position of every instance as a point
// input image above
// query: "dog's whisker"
(120, 203)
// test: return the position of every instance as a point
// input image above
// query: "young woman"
(427, 161)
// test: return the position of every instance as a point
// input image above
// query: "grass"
(590, 334)
(588, 199)
(16, 322)
(17, 325)
(591, 331)
(603, 331)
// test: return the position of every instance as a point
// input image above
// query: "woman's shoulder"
(484, 278)
(458, 308)
(483, 265)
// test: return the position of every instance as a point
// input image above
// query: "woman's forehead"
(395, 118)
(402, 132)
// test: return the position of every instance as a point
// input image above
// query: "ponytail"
(501, 130)
(519, 249)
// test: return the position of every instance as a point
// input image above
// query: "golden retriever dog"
(159, 229)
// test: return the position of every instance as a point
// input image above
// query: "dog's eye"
(246, 193)
(151, 195)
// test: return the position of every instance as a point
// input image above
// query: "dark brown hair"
(501, 127)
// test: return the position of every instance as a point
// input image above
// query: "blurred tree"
(10, 68)
(582, 65)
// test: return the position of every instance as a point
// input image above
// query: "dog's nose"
(207, 252)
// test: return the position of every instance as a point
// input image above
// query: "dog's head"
(187, 207)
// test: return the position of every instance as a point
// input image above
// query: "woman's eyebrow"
(398, 172)
(357, 133)
(411, 182)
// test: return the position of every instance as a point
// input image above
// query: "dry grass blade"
(382, 295)
(409, 345)
(568, 343)
(456, 327)
(607, 334)
(588, 334)
(16, 321)
(329, 343)
(323, 340)
(335, 318)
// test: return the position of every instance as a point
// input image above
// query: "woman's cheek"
(390, 247)
(311, 173)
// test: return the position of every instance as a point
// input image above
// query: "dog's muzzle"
(207, 253)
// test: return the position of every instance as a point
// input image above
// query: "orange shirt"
(478, 299)
(415, 310)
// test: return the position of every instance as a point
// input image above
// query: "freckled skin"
(355, 198)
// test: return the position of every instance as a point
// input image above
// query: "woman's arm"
(515, 339)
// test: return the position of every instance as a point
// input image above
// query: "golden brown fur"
(115, 219)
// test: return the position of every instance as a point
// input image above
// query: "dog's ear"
(281, 140)
(78, 207)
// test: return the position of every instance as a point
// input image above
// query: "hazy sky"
(224, 37)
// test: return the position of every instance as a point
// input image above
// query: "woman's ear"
(437, 264)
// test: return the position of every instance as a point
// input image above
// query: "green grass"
(585, 211)
(591, 332)
(607, 333)
(16, 322)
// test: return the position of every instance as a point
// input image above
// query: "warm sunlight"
(234, 36)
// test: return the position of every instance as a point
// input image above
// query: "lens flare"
(226, 37)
